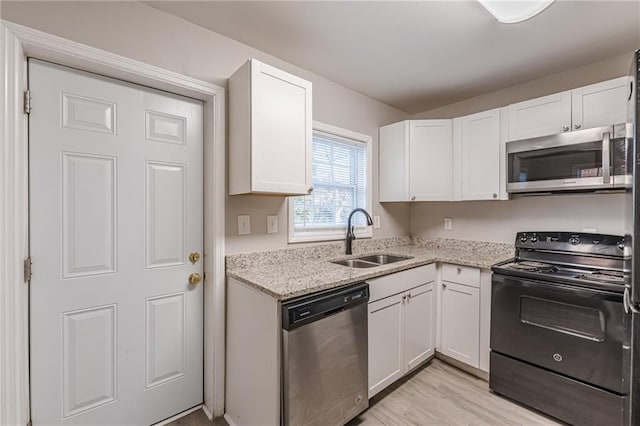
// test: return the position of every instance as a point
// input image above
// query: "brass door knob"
(194, 257)
(195, 278)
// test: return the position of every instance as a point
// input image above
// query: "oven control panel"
(576, 242)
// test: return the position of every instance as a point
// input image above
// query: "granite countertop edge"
(320, 274)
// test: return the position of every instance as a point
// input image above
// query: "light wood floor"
(436, 394)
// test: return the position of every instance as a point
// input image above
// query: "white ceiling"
(420, 55)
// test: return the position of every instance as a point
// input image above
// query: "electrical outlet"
(244, 224)
(448, 223)
(272, 224)
(376, 222)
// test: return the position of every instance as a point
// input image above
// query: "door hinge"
(27, 102)
(27, 269)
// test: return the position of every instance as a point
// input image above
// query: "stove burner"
(529, 266)
(605, 276)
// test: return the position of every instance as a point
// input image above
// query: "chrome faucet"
(350, 235)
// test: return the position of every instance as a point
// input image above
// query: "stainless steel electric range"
(559, 331)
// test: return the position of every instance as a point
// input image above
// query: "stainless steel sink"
(371, 261)
(356, 263)
(383, 259)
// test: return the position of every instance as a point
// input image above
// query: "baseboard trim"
(227, 417)
(179, 415)
(207, 412)
(481, 374)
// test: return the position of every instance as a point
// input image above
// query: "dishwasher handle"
(308, 309)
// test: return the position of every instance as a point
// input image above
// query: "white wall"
(499, 221)
(613, 67)
(141, 32)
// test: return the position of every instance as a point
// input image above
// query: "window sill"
(323, 235)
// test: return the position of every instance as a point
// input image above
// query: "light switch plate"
(376, 222)
(244, 224)
(448, 223)
(272, 224)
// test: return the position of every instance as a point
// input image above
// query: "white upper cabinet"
(600, 104)
(270, 131)
(543, 116)
(394, 162)
(477, 155)
(431, 160)
(416, 159)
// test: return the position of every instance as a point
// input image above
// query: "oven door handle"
(606, 157)
(628, 306)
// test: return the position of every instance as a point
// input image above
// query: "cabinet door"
(480, 146)
(281, 131)
(460, 332)
(431, 160)
(385, 343)
(600, 104)
(419, 321)
(543, 116)
(394, 162)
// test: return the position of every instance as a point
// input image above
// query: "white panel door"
(431, 160)
(386, 331)
(600, 104)
(543, 116)
(480, 146)
(419, 325)
(116, 202)
(460, 327)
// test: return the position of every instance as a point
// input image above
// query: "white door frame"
(16, 44)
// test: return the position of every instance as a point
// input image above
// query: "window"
(341, 175)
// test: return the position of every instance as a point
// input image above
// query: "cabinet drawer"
(391, 284)
(461, 274)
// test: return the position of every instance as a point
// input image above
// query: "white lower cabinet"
(460, 327)
(401, 325)
(385, 343)
(419, 324)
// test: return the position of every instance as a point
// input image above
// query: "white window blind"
(339, 174)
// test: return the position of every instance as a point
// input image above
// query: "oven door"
(571, 161)
(571, 330)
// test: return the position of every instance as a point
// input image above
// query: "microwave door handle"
(606, 157)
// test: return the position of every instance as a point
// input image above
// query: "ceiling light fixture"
(514, 11)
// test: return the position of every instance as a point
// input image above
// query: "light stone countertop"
(288, 273)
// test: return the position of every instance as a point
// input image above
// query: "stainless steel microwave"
(586, 160)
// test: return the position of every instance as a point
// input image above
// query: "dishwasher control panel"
(307, 309)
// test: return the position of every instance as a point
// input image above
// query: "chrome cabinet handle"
(577, 126)
(413, 198)
(310, 190)
(459, 270)
(444, 285)
(404, 298)
(495, 195)
(565, 128)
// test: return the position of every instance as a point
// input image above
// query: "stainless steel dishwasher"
(324, 355)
